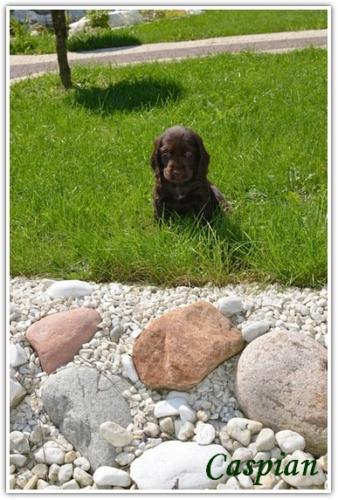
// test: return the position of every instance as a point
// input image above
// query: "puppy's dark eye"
(165, 157)
(188, 154)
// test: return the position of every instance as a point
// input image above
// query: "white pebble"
(83, 463)
(242, 454)
(16, 392)
(17, 355)
(187, 414)
(50, 453)
(205, 433)
(65, 473)
(70, 485)
(18, 442)
(238, 428)
(17, 459)
(53, 473)
(244, 480)
(115, 434)
(265, 440)
(290, 441)
(128, 368)
(169, 407)
(82, 477)
(69, 288)
(124, 458)
(231, 484)
(185, 431)
(111, 476)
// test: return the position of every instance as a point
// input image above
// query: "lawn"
(81, 204)
(211, 23)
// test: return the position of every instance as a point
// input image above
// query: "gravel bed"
(125, 311)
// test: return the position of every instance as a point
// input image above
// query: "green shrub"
(17, 28)
(98, 18)
(100, 38)
(27, 44)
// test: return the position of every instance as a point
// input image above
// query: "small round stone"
(41, 484)
(151, 429)
(71, 485)
(83, 463)
(202, 415)
(18, 442)
(205, 433)
(17, 459)
(230, 305)
(50, 453)
(41, 471)
(290, 441)
(242, 454)
(70, 456)
(111, 476)
(115, 434)
(254, 329)
(82, 477)
(124, 458)
(186, 431)
(53, 473)
(65, 473)
(265, 440)
(187, 414)
(167, 425)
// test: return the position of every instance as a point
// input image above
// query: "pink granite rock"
(177, 350)
(58, 337)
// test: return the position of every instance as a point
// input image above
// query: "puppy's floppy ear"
(203, 157)
(155, 160)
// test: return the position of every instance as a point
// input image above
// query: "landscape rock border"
(125, 310)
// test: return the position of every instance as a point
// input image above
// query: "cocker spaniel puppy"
(180, 163)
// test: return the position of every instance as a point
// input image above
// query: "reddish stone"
(178, 349)
(58, 337)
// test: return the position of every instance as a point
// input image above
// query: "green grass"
(43, 43)
(211, 23)
(81, 183)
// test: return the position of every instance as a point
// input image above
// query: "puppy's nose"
(176, 172)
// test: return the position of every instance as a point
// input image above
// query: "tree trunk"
(60, 28)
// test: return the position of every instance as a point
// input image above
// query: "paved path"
(22, 66)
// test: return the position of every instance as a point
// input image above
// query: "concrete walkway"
(22, 66)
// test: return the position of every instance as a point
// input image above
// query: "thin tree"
(60, 29)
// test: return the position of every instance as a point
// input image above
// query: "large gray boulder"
(78, 401)
(118, 18)
(281, 381)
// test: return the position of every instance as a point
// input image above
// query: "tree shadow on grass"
(128, 95)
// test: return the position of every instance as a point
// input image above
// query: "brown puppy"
(180, 163)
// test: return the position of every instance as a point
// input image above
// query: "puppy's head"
(180, 156)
